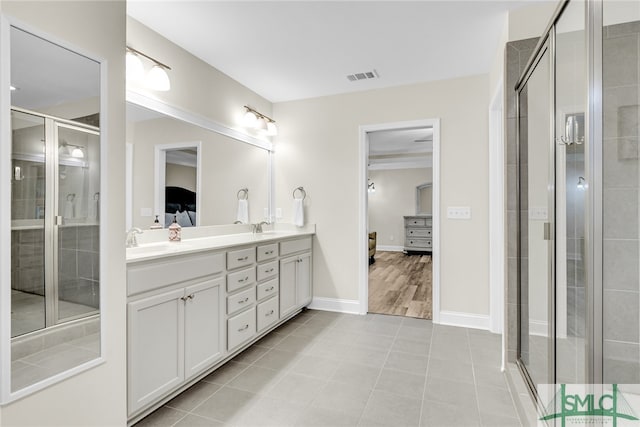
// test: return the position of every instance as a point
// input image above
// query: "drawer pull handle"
(411, 232)
(269, 271)
(270, 289)
(243, 258)
(244, 328)
(269, 252)
(269, 313)
(244, 300)
(243, 280)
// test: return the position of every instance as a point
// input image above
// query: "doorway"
(400, 200)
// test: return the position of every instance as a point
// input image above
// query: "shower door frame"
(52, 218)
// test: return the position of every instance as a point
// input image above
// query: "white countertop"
(161, 249)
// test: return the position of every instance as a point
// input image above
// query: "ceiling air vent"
(363, 76)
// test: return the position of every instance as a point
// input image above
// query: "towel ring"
(301, 190)
(243, 194)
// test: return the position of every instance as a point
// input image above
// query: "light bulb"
(261, 124)
(77, 153)
(135, 69)
(158, 79)
(249, 119)
(12, 88)
(272, 129)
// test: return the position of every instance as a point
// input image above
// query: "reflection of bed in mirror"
(181, 204)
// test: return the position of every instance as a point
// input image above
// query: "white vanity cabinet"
(295, 275)
(174, 332)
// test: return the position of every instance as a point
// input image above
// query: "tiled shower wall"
(621, 300)
(517, 54)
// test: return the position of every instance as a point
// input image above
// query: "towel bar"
(301, 189)
(243, 194)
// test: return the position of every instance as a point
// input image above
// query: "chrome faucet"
(131, 237)
(257, 228)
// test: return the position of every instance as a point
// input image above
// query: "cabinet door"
(303, 280)
(288, 267)
(156, 347)
(203, 334)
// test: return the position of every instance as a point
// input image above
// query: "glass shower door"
(536, 221)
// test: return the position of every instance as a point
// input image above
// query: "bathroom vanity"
(195, 304)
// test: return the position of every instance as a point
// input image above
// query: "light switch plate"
(146, 212)
(459, 212)
(538, 213)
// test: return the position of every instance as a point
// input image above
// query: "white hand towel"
(68, 209)
(298, 212)
(243, 211)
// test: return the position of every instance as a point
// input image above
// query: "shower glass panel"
(571, 188)
(78, 202)
(536, 220)
(621, 184)
(28, 179)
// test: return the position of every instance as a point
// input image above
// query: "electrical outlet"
(146, 212)
(459, 212)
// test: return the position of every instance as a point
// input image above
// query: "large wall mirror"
(55, 211)
(193, 173)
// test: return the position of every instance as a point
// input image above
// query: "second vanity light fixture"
(256, 120)
(156, 79)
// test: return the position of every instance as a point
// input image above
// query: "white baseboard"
(350, 306)
(466, 320)
(539, 328)
(390, 248)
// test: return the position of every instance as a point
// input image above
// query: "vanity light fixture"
(156, 79)
(75, 150)
(13, 88)
(256, 120)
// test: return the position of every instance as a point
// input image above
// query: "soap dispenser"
(174, 231)
(156, 224)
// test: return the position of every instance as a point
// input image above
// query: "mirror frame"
(418, 189)
(178, 113)
(6, 22)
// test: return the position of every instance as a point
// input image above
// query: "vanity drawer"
(267, 252)
(419, 222)
(267, 313)
(266, 289)
(240, 279)
(418, 243)
(293, 246)
(240, 258)
(144, 277)
(418, 232)
(241, 300)
(267, 270)
(241, 328)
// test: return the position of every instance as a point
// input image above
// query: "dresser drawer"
(266, 271)
(267, 313)
(266, 289)
(241, 328)
(418, 232)
(267, 252)
(418, 243)
(240, 279)
(240, 258)
(240, 301)
(418, 222)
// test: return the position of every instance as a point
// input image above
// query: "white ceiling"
(286, 50)
(401, 148)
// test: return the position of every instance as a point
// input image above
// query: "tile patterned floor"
(330, 369)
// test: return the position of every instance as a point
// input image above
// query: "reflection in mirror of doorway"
(399, 218)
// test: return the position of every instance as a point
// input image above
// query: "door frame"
(363, 207)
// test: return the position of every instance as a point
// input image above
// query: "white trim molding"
(350, 306)
(465, 320)
(363, 248)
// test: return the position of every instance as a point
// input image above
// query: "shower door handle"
(547, 231)
(58, 220)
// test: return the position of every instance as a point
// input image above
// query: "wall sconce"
(581, 183)
(75, 151)
(255, 120)
(371, 187)
(156, 79)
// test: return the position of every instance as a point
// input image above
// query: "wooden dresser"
(417, 233)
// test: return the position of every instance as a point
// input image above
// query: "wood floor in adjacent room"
(400, 284)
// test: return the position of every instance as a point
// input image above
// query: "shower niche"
(55, 185)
